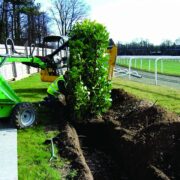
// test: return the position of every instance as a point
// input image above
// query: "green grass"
(170, 67)
(33, 154)
(30, 89)
(167, 98)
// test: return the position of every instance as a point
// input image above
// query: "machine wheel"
(23, 115)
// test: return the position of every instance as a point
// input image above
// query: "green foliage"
(90, 88)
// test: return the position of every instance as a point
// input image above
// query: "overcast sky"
(127, 20)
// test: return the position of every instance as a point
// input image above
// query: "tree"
(35, 26)
(67, 12)
(17, 6)
(3, 20)
(10, 19)
(177, 41)
(88, 85)
(22, 20)
(167, 43)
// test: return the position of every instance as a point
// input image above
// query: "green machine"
(22, 114)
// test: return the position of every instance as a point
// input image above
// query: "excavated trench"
(91, 151)
(99, 151)
(133, 140)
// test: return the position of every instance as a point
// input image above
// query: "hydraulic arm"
(34, 61)
(14, 56)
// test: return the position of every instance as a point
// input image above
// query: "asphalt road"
(8, 152)
(148, 78)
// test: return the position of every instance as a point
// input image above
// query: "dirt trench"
(91, 154)
(133, 140)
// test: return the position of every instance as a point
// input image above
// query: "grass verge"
(168, 98)
(33, 154)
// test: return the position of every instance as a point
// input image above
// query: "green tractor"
(22, 114)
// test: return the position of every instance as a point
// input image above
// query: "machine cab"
(60, 60)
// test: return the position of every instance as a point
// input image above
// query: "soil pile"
(145, 136)
(133, 140)
(68, 139)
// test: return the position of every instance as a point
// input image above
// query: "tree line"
(143, 47)
(23, 20)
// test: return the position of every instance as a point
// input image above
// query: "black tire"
(23, 115)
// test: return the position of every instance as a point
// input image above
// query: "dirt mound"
(134, 140)
(146, 137)
(135, 114)
(70, 148)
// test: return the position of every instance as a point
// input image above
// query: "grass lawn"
(168, 98)
(170, 67)
(33, 154)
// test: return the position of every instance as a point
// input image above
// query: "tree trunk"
(14, 22)
(6, 19)
(4, 22)
(18, 33)
(29, 29)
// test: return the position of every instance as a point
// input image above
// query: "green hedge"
(90, 88)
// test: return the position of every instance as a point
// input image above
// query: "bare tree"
(67, 12)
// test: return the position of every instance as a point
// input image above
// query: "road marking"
(8, 154)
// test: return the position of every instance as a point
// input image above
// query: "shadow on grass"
(5, 124)
(31, 97)
(31, 90)
(147, 91)
(31, 94)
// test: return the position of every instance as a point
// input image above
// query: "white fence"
(18, 70)
(131, 63)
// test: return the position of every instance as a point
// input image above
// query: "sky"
(129, 20)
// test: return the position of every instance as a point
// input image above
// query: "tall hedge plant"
(90, 88)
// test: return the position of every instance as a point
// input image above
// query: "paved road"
(149, 78)
(8, 152)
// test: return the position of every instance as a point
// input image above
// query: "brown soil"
(146, 137)
(133, 140)
(68, 139)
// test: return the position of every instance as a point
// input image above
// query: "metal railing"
(129, 59)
